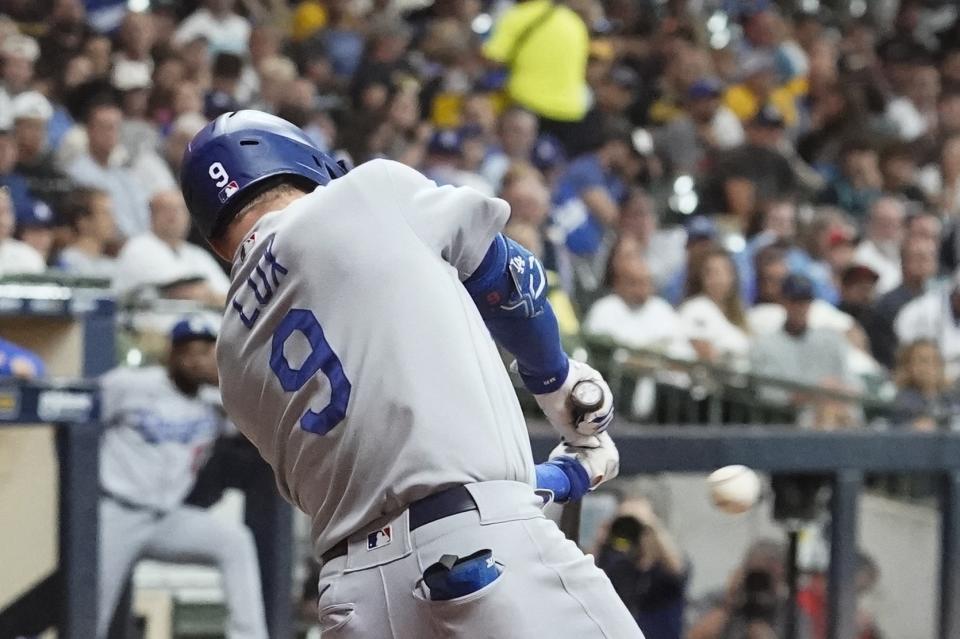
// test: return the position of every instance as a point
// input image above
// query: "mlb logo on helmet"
(380, 538)
(228, 190)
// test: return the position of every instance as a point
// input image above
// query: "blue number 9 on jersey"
(321, 358)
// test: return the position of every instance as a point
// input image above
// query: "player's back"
(352, 356)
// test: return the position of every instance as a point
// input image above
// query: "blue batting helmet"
(240, 155)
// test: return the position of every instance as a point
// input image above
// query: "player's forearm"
(509, 289)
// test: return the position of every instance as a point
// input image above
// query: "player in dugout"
(159, 429)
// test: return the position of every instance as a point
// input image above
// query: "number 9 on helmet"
(240, 155)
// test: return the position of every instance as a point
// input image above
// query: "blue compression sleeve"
(509, 289)
(565, 476)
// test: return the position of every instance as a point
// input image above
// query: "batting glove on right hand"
(558, 405)
(597, 454)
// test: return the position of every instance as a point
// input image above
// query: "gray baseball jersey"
(156, 437)
(351, 355)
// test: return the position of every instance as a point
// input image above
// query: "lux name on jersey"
(257, 290)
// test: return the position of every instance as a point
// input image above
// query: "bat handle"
(586, 397)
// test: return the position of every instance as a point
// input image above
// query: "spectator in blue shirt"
(589, 194)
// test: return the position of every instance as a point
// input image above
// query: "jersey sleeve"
(458, 223)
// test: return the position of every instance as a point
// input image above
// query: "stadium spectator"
(700, 233)
(860, 181)
(688, 143)
(934, 316)
(163, 255)
(218, 24)
(589, 194)
(89, 212)
(941, 180)
(97, 169)
(35, 162)
(10, 179)
(880, 247)
(755, 603)
(914, 114)
(37, 230)
(898, 166)
(800, 353)
(713, 316)
(516, 137)
(918, 268)
(663, 249)
(543, 47)
(445, 162)
(632, 315)
(19, 53)
(15, 256)
(756, 172)
(857, 291)
(924, 401)
(647, 569)
(758, 88)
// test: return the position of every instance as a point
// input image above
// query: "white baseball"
(734, 489)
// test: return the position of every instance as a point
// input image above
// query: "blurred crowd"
(765, 186)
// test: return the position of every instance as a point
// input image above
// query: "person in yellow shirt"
(544, 46)
(757, 88)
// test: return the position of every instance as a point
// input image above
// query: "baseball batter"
(356, 354)
(158, 433)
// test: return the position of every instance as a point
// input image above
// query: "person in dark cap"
(706, 126)
(798, 352)
(858, 287)
(755, 172)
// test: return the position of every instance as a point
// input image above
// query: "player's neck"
(238, 230)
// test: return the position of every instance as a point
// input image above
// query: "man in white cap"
(19, 53)
(31, 112)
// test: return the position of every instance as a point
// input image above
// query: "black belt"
(450, 501)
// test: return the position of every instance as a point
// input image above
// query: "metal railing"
(843, 458)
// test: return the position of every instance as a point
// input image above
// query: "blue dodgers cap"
(449, 141)
(547, 153)
(797, 287)
(38, 216)
(705, 88)
(700, 228)
(191, 328)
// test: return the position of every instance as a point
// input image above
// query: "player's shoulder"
(124, 377)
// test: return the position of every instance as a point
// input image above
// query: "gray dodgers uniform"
(352, 356)
(155, 441)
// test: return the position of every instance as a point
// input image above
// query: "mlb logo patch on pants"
(379, 538)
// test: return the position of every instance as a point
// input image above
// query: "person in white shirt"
(880, 249)
(98, 168)
(633, 316)
(163, 255)
(15, 256)
(90, 214)
(935, 315)
(216, 22)
(712, 316)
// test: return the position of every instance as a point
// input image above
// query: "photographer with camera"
(646, 568)
(756, 602)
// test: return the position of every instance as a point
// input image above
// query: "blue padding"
(509, 288)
